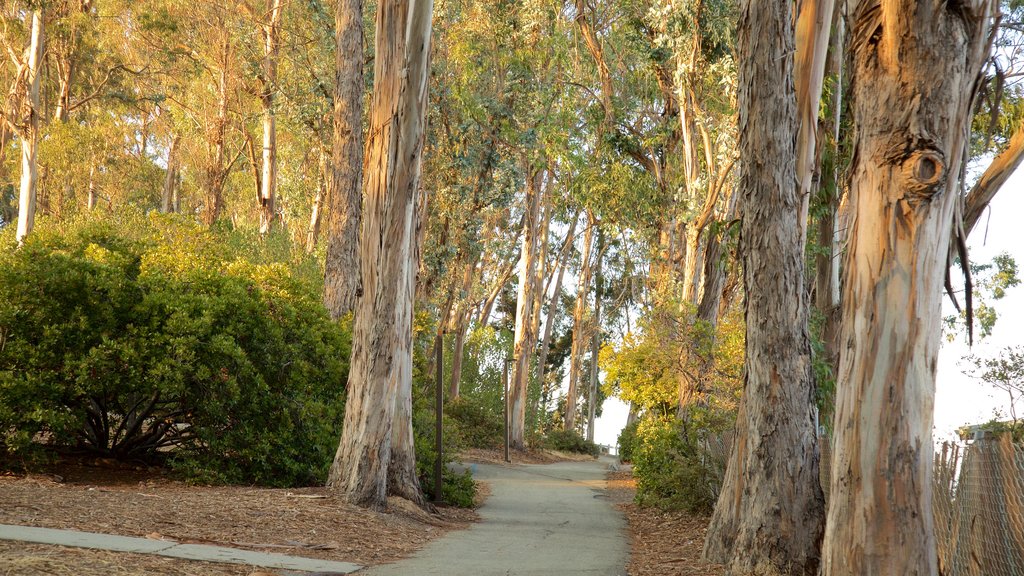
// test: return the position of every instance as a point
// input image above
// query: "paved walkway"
(171, 549)
(540, 520)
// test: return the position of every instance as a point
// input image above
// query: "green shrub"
(140, 337)
(479, 425)
(570, 441)
(456, 489)
(627, 442)
(674, 468)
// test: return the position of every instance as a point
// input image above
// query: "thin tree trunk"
(552, 315)
(315, 213)
(380, 345)
(485, 310)
(170, 179)
(342, 283)
(90, 201)
(579, 336)
(30, 133)
(919, 62)
(769, 515)
(524, 337)
(461, 326)
(271, 47)
(595, 346)
(216, 172)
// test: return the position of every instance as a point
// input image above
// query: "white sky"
(959, 399)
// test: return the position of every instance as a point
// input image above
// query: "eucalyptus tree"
(342, 282)
(380, 372)
(905, 189)
(770, 514)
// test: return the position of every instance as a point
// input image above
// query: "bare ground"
(661, 543)
(142, 502)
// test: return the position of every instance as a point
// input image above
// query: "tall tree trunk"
(402, 478)
(524, 337)
(769, 516)
(171, 178)
(216, 171)
(315, 214)
(919, 61)
(552, 315)
(380, 345)
(595, 347)
(30, 132)
(499, 285)
(461, 325)
(271, 49)
(342, 283)
(579, 336)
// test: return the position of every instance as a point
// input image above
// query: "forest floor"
(143, 502)
(661, 543)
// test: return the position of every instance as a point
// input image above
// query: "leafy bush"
(479, 425)
(675, 468)
(571, 441)
(141, 337)
(627, 442)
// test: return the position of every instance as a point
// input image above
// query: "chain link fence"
(978, 501)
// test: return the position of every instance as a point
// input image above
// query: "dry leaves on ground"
(301, 522)
(661, 543)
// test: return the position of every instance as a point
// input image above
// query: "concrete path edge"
(171, 549)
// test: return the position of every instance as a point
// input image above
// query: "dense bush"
(143, 337)
(674, 467)
(627, 442)
(478, 423)
(570, 441)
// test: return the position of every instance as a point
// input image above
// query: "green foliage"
(991, 281)
(675, 466)
(479, 424)
(141, 337)
(1004, 372)
(570, 441)
(627, 441)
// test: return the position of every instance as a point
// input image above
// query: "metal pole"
(439, 412)
(504, 379)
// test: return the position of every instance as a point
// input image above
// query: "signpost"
(504, 379)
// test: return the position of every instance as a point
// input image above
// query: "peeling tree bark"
(342, 283)
(381, 347)
(30, 132)
(524, 333)
(768, 519)
(918, 61)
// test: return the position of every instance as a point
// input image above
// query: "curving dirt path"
(539, 520)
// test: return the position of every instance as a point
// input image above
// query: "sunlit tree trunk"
(316, 213)
(524, 337)
(215, 171)
(271, 48)
(918, 62)
(769, 515)
(552, 315)
(579, 336)
(461, 326)
(380, 345)
(171, 177)
(91, 196)
(342, 285)
(595, 346)
(30, 132)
